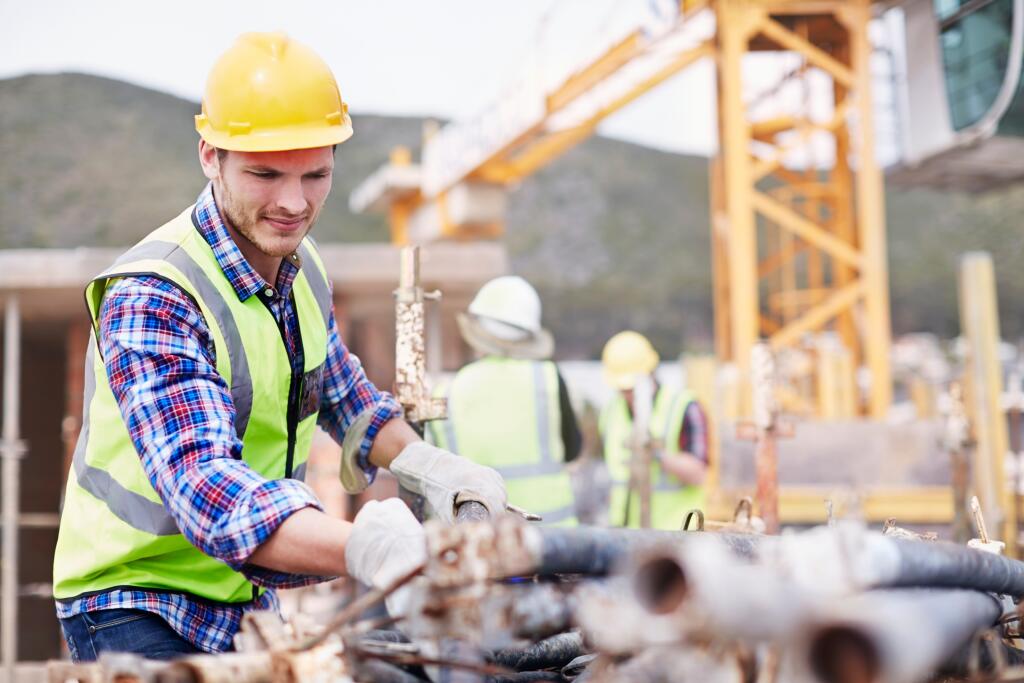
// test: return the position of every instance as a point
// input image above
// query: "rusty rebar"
(357, 607)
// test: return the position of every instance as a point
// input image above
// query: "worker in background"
(510, 409)
(215, 355)
(678, 428)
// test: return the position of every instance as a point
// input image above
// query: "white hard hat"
(510, 300)
(504, 319)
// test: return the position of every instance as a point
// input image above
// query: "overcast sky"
(445, 58)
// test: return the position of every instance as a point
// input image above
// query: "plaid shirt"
(159, 356)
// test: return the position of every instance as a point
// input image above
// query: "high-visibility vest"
(505, 413)
(114, 530)
(670, 498)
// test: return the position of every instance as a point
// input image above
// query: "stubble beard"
(246, 222)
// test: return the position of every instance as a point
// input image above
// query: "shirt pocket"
(311, 391)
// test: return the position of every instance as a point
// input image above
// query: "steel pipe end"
(844, 654)
(659, 584)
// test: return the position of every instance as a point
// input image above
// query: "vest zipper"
(292, 409)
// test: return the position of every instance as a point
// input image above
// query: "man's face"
(271, 198)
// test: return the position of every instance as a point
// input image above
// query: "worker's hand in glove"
(386, 543)
(447, 480)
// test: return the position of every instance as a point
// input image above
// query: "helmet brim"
(277, 140)
(539, 346)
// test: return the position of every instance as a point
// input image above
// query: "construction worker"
(678, 432)
(510, 409)
(215, 355)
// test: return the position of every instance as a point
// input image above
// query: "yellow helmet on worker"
(269, 93)
(626, 358)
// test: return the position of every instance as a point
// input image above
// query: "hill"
(613, 234)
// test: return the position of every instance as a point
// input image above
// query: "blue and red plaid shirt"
(159, 356)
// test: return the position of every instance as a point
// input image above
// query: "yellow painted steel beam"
(768, 325)
(843, 222)
(979, 316)
(736, 23)
(542, 149)
(806, 505)
(766, 130)
(771, 165)
(398, 220)
(812, 53)
(816, 317)
(806, 229)
(605, 65)
(537, 153)
(681, 62)
(721, 309)
(796, 298)
(777, 259)
(869, 200)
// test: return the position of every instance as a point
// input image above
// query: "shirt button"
(268, 292)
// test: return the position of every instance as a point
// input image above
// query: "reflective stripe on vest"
(131, 508)
(503, 431)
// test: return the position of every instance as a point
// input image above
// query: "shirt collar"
(245, 280)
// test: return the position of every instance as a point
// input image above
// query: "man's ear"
(208, 160)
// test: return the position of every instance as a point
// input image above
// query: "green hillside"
(613, 234)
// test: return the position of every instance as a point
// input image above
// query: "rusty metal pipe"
(700, 590)
(895, 636)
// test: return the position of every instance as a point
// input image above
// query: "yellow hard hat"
(269, 93)
(627, 357)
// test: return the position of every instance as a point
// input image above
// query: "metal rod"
(358, 606)
(10, 452)
(762, 368)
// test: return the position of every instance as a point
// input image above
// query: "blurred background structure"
(859, 211)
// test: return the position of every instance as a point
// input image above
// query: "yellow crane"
(794, 252)
(798, 250)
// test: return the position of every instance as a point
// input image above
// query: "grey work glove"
(446, 480)
(386, 543)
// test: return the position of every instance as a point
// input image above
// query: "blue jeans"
(122, 630)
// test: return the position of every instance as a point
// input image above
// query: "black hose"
(556, 651)
(946, 565)
(597, 551)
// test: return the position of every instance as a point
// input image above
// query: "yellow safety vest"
(670, 499)
(115, 530)
(505, 413)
